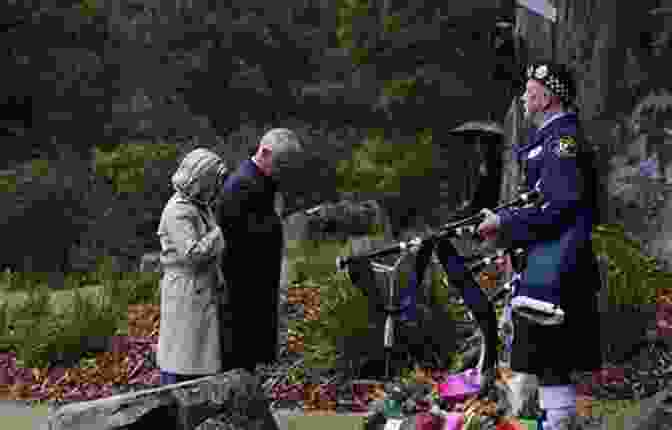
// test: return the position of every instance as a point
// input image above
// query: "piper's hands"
(488, 228)
(503, 264)
(415, 244)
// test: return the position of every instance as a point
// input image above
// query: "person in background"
(253, 259)
(192, 284)
(556, 161)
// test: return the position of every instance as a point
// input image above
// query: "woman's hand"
(219, 242)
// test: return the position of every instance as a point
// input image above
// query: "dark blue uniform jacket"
(553, 164)
(555, 169)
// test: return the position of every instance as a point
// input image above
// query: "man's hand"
(488, 228)
(503, 264)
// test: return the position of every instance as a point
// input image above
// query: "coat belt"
(187, 270)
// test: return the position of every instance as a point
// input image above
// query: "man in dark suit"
(253, 256)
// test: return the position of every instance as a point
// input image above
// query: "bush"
(92, 317)
(22, 281)
(4, 319)
(381, 164)
(80, 279)
(133, 289)
(35, 327)
(43, 205)
(31, 341)
(343, 308)
(633, 277)
(145, 288)
(37, 303)
(105, 271)
(39, 341)
(130, 287)
(42, 335)
(343, 315)
(342, 333)
(126, 165)
(317, 259)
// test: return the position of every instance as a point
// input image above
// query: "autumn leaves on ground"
(126, 362)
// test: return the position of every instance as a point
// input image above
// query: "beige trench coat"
(192, 289)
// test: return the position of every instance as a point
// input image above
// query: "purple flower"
(648, 167)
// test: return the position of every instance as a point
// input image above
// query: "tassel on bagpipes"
(460, 275)
(458, 272)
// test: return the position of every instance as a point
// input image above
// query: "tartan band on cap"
(555, 77)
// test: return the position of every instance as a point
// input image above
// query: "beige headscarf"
(195, 165)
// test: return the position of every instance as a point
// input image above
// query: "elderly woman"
(192, 284)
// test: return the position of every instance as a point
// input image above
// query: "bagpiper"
(555, 314)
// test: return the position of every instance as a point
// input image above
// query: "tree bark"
(513, 129)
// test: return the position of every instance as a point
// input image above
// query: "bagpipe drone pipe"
(537, 296)
(450, 230)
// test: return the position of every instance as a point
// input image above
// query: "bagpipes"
(539, 309)
(458, 269)
(479, 262)
(450, 230)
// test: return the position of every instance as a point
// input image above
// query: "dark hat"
(556, 77)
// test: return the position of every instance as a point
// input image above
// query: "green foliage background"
(351, 13)
(380, 164)
(633, 277)
(44, 329)
(127, 164)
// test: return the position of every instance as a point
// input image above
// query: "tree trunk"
(514, 130)
(592, 37)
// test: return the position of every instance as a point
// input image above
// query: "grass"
(19, 417)
(613, 407)
(60, 300)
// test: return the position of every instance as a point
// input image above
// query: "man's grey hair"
(281, 141)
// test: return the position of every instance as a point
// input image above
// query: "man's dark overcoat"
(251, 264)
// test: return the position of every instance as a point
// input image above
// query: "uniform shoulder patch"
(567, 147)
